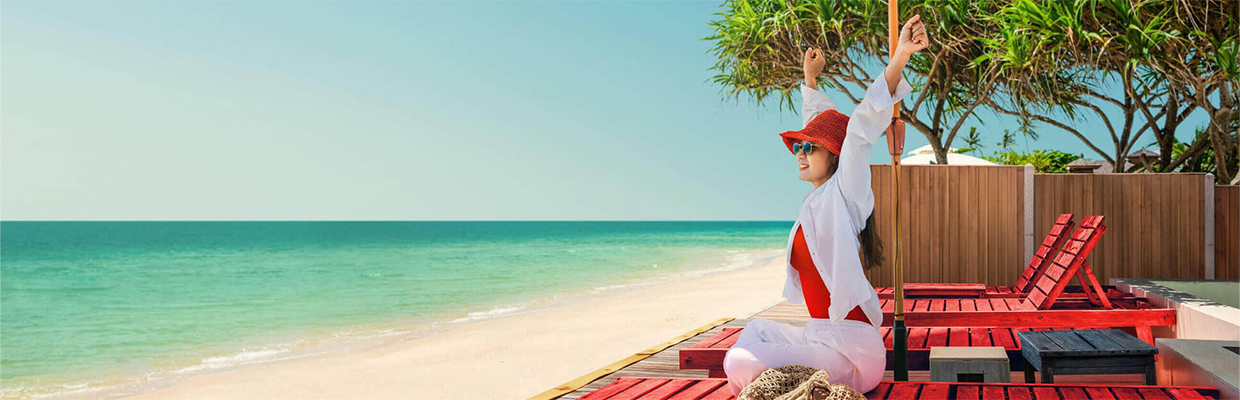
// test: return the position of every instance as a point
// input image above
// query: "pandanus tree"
(759, 44)
(1061, 60)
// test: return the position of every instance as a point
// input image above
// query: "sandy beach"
(505, 358)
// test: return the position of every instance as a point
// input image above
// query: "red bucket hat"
(826, 129)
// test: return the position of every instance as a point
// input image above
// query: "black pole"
(901, 350)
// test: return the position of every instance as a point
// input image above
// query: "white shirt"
(835, 213)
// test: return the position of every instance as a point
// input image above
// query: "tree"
(973, 140)
(1167, 56)
(759, 43)
(1043, 161)
(1008, 140)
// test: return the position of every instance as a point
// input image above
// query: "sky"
(282, 110)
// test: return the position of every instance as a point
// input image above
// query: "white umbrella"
(927, 149)
(952, 159)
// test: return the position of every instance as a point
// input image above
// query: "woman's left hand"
(913, 37)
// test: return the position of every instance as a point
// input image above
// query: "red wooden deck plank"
(731, 340)
(1019, 393)
(958, 337)
(904, 390)
(968, 393)
(702, 387)
(1045, 393)
(980, 337)
(1073, 393)
(641, 388)
(1185, 394)
(917, 338)
(606, 392)
(1126, 394)
(667, 390)
(935, 391)
(1098, 393)
(938, 337)
(1153, 394)
(715, 339)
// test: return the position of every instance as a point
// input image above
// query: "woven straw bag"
(796, 382)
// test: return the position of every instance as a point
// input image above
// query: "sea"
(93, 309)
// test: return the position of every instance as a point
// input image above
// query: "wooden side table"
(1086, 352)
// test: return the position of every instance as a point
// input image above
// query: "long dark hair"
(871, 244)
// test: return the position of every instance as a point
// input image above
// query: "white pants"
(851, 352)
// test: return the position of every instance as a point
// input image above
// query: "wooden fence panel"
(1227, 232)
(1156, 221)
(959, 223)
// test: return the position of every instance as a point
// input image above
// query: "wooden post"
(895, 146)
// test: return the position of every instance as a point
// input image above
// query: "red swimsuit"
(817, 297)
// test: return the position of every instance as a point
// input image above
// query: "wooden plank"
(1126, 393)
(701, 388)
(1099, 393)
(968, 393)
(932, 391)
(1045, 393)
(903, 390)
(1019, 393)
(1073, 393)
(668, 389)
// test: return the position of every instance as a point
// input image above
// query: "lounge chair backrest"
(1042, 257)
(1065, 265)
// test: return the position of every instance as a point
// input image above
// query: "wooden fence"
(1227, 232)
(959, 223)
(980, 223)
(1157, 222)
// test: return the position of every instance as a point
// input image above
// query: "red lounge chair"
(629, 388)
(1039, 308)
(996, 321)
(1033, 271)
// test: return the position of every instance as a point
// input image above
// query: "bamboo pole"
(895, 145)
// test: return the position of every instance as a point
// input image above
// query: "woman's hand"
(812, 64)
(913, 38)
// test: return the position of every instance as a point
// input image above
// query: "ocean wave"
(492, 313)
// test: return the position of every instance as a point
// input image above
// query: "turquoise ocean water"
(92, 307)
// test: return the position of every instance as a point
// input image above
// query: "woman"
(833, 231)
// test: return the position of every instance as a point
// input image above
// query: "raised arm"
(813, 102)
(871, 119)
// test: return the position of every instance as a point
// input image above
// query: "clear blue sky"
(387, 111)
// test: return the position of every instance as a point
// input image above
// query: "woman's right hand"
(812, 64)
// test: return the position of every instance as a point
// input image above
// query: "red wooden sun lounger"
(995, 322)
(630, 388)
(1024, 283)
(1039, 308)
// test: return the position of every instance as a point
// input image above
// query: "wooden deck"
(666, 363)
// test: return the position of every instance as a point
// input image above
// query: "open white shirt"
(835, 213)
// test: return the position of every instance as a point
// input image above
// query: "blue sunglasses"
(807, 147)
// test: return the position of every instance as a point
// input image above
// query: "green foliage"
(1043, 161)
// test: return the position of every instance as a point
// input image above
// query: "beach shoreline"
(508, 356)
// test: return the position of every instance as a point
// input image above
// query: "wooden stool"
(969, 364)
(1086, 352)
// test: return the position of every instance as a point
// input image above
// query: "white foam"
(493, 312)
